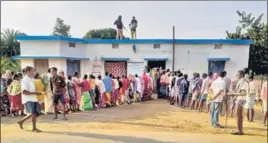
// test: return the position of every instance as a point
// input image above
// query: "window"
(156, 46)
(115, 46)
(218, 46)
(72, 44)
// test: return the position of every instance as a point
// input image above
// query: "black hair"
(54, 69)
(36, 75)
(204, 75)
(222, 74)
(185, 76)
(12, 73)
(75, 73)
(168, 70)
(251, 77)
(20, 75)
(136, 75)
(23, 70)
(15, 76)
(49, 70)
(110, 75)
(246, 71)
(180, 75)
(99, 77)
(241, 73)
(210, 74)
(70, 77)
(85, 76)
(106, 73)
(28, 68)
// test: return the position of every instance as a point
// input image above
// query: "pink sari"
(77, 89)
(146, 91)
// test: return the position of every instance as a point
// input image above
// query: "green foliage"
(9, 45)
(257, 31)
(105, 33)
(61, 29)
(8, 64)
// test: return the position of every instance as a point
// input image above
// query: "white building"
(131, 56)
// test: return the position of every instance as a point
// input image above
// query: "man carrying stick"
(242, 89)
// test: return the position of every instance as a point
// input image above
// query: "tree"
(105, 33)
(252, 28)
(9, 45)
(61, 29)
(8, 64)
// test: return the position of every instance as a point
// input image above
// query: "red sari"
(15, 102)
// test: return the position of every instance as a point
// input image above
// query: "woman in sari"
(77, 87)
(48, 100)
(115, 90)
(39, 88)
(92, 87)
(14, 92)
(67, 105)
(86, 101)
(108, 86)
(146, 81)
(164, 84)
(100, 89)
(71, 92)
(124, 88)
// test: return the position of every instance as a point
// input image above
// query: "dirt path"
(147, 122)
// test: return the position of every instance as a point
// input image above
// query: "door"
(116, 68)
(216, 66)
(157, 64)
(72, 67)
(41, 65)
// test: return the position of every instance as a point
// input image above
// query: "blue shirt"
(108, 83)
(184, 86)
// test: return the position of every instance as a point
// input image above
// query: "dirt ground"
(147, 122)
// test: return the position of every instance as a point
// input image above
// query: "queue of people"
(217, 94)
(55, 93)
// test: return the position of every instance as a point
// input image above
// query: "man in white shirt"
(29, 99)
(218, 89)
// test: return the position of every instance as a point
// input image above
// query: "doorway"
(156, 64)
(72, 67)
(41, 65)
(216, 66)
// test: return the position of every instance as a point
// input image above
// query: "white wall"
(26, 62)
(126, 51)
(40, 48)
(78, 51)
(60, 64)
(196, 60)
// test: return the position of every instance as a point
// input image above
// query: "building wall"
(26, 62)
(78, 51)
(40, 48)
(196, 59)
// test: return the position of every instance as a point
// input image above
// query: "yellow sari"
(39, 88)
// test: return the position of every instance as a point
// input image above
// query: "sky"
(203, 20)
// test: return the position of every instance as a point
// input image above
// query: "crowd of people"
(54, 92)
(217, 94)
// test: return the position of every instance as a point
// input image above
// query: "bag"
(86, 101)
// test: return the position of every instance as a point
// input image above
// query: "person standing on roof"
(133, 26)
(119, 26)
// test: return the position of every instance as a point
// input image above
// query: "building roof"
(135, 41)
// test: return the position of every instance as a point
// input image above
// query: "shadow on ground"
(127, 139)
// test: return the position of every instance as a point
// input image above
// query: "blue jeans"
(215, 111)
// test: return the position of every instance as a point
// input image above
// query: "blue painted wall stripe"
(114, 59)
(219, 59)
(137, 41)
(49, 57)
(155, 59)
